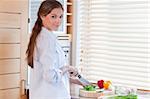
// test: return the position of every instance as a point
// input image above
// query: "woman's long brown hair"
(45, 8)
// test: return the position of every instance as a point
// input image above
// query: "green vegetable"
(90, 88)
(124, 97)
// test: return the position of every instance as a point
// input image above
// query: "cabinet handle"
(23, 87)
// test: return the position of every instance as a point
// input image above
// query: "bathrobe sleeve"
(46, 46)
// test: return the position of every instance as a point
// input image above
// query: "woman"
(49, 75)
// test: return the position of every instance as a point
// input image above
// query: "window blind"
(114, 41)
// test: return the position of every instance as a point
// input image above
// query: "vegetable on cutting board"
(89, 88)
(103, 84)
(100, 84)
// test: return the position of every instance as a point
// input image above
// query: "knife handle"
(79, 76)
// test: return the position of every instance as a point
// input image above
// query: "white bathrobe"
(46, 80)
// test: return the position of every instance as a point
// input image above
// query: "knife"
(81, 79)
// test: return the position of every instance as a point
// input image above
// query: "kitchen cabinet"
(69, 16)
(13, 43)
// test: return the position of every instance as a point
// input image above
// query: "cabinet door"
(13, 43)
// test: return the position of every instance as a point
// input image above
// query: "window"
(114, 41)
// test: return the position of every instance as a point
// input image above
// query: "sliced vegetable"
(90, 88)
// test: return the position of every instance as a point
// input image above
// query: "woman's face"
(53, 20)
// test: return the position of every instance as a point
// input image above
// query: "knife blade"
(82, 79)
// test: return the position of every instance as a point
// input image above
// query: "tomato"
(100, 84)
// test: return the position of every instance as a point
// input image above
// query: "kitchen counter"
(140, 96)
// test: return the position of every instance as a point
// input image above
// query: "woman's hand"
(71, 69)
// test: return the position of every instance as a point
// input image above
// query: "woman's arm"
(75, 81)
